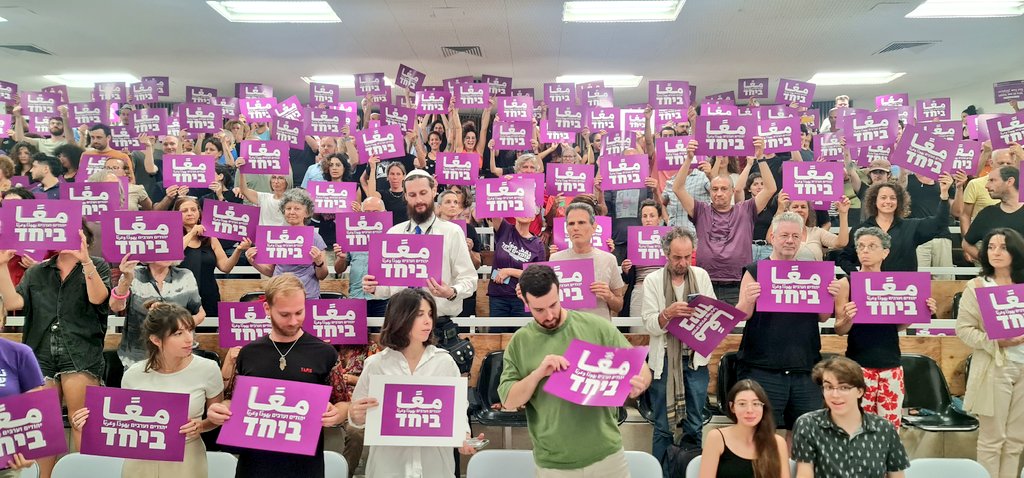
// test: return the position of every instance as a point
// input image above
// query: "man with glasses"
(779, 349)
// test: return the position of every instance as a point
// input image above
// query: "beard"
(419, 217)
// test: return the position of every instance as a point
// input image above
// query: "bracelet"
(116, 296)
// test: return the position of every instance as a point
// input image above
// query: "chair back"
(726, 378)
(945, 468)
(504, 464)
(221, 464)
(693, 469)
(335, 465)
(77, 465)
(925, 385)
(643, 464)
(489, 377)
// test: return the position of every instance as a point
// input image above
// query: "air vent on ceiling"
(917, 46)
(455, 50)
(27, 49)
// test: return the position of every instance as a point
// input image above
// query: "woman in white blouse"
(817, 240)
(408, 323)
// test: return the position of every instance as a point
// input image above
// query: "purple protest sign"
(753, 111)
(199, 118)
(879, 128)
(122, 138)
(192, 170)
(505, 197)
(710, 322)
(432, 102)
(597, 376)
(163, 84)
(811, 118)
(748, 88)
(332, 196)
(382, 96)
(891, 297)
(719, 109)
(643, 245)
(498, 85)
(794, 91)
(417, 411)
(472, 95)
(522, 92)
(291, 108)
(559, 94)
(775, 112)
(351, 108)
(228, 106)
(515, 108)
(325, 122)
(599, 118)
(143, 92)
(241, 323)
(253, 90)
(977, 126)
(257, 109)
(632, 120)
(110, 91)
(8, 92)
(549, 136)
(864, 156)
(670, 152)
(288, 131)
(512, 135)
(338, 321)
(146, 235)
(725, 135)
(569, 179)
(803, 289)
(923, 153)
(5, 125)
(148, 121)
(87, 114)
(357, 227)
(451, 84)
(951, 130)
(723, 97)
(1006, 91)
(265, 157)
(275, 415)
(38, 124)
(91, 163)
(60, 90)
(33, 425)
(135, 424)
(574, 279)
(39, 103)
(617, 142)
(933, 109)
(599, 97)
(369, 82)
(405, 260)
(780, 135)
(892, 100)
(623, 171)
(284, 244)
(537, 179)
(1002, 311)
(967, 156)
(409, 78)
(48, 225)
(461, 169)
(567, 118)
(325, 94)
(228, 220)
(385, 142)
(665, 116)
(405, 118)
(602, 232)
(96, 198)
(200, 95)
(1007, 129)
(813, 181)
(668, 94)
(828, 147)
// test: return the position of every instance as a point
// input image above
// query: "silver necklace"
(282, 363)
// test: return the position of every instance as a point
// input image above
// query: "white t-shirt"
(201, 380)
(270, 210)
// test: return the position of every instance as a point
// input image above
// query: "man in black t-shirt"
(287, 353)
(1002, 185)
(779, 349)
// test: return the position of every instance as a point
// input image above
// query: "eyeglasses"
(748, 405)
(868, 247)
(843, 389)
(115, 168)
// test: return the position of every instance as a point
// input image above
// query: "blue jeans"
(696, 383)
(502, 306)
(791, 393)
(761, 251)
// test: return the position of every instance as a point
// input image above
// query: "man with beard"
(286, 353)
(58, 134)
(458, 276)
(568, 439)
(45, 171)
(99, 143)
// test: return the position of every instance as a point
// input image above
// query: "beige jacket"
(988, 355)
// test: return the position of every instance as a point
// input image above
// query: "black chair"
(727, 377)
(331, 295)
(928, 398)
(113, 369)
(643, 405)
(251, 296)
(487, 395)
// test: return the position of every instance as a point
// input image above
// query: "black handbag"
(447, 334)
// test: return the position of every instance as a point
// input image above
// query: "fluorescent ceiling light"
(621, 11)
(276, 12)
(2, 19)
(968, 9)
(88, 80)
(344, 81)
(611, 81)
(855, 78)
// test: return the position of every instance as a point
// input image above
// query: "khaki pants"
(353, 450)
(613, 466)
(1001, 436)
(936, 253)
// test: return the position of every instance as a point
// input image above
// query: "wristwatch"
(455, 294)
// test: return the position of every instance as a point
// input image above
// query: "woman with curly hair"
(886, 206)
(297, 208)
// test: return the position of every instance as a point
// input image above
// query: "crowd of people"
(726, 214)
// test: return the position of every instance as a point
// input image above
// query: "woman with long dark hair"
(170, 366)
(336, 168)
(204, 253)
(750, 448)
(22, 153)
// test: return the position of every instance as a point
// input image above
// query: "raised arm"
(493, 162)
(648, 130)
(679, 185)
(770, 188)
(243, 188)
(485, 127)
(148, 162)
(12, 299)
(456, 127)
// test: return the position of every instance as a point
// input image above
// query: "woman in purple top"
(297, 208)
(21, 374)
(514, 246)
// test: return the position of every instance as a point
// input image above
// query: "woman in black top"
(203, 253)
(876, 347)
(394, 197)
(336, 168)
(753, 435)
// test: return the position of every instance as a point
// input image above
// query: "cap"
(880, 165)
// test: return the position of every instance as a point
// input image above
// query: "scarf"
(675, 390)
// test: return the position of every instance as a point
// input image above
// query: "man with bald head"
(725, 231)
(359, 261)
(976, 197)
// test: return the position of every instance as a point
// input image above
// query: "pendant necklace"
(282, 363)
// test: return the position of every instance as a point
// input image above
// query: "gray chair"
(335, 465)
(219, 463)
(945, 468)
(644, 464)
(77, 465)
(502, 464)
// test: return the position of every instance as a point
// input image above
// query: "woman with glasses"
(138, 198)
(842, 440)
(995, 384)
(749, 448)
(876, 347)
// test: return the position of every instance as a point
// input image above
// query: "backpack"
(678, 457)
